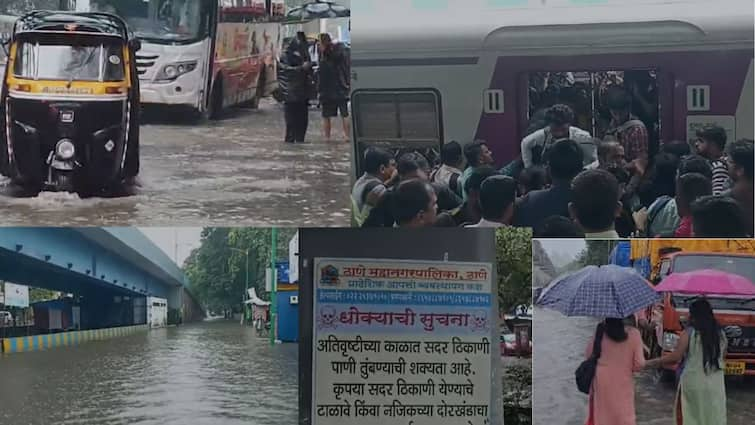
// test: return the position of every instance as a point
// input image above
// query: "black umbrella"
(319, 9)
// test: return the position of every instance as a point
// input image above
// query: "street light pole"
(246, 292)
(274, 285)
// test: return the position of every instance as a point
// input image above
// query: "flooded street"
(561, 344)
(234, 171)
(209, 373)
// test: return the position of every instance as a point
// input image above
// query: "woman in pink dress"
(612, 392)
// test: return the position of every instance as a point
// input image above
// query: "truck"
(656, 259)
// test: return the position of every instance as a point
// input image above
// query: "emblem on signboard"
(329, 276)
(480, 321)
(327, 319)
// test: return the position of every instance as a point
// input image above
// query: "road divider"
(64, 339)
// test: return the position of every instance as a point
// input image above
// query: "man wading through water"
(295, 73)
(334, 84)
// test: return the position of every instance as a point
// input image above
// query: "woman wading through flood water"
(612, 392)
(701, 393)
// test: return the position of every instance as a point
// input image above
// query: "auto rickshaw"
(70, 103)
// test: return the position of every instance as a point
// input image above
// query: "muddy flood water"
(234, 171)
(209, 373)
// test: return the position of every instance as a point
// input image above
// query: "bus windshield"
(159, 21)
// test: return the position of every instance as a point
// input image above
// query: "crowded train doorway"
(585, 93)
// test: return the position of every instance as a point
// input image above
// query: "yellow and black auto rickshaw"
(70, 103)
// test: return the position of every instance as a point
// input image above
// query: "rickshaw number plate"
(735, 368)
(66, 116)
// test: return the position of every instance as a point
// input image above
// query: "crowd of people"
(300, 84)
(569, 184)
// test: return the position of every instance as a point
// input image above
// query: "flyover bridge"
(110, 271)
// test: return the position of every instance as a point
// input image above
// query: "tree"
(596, 253)
(217, 269)
(40, 294)
(514, 268)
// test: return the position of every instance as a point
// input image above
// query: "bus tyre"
(215, 104)
(254, 103)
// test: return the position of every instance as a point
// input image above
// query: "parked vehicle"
(658, 258)
(6, 319)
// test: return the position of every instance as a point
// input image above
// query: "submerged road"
(210, 373)
(236, 171)
(560, 348)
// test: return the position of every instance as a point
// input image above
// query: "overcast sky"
(187, 238)
(561, 249)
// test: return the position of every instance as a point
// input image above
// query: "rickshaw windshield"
(80, 62)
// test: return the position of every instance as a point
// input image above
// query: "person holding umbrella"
(611, 293)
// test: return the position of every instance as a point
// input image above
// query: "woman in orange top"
(612, 392)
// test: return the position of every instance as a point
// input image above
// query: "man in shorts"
(334, 84)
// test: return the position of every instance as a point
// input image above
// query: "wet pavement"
(237, 171)
(561, 343)
(210, 373)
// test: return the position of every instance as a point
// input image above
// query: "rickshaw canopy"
(47, 22)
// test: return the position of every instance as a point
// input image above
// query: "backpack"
(654, 210)
(585, 373)
(453, 182)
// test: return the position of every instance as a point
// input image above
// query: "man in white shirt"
(497, 195)
(559, 118)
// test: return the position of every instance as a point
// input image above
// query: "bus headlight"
(670, 340)
(172, 71)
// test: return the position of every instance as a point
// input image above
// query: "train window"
(585, 92)
(404, 116)
(398, 120)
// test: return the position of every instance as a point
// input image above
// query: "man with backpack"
(449, 172)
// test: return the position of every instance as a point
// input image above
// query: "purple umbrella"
(605, 291)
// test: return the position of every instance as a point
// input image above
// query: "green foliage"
(39, 294)
(517, 395)
(217, 269)
(514, 253)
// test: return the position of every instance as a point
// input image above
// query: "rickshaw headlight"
(65, 149)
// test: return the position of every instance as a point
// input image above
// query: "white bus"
(203, 54)
(428, 72)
